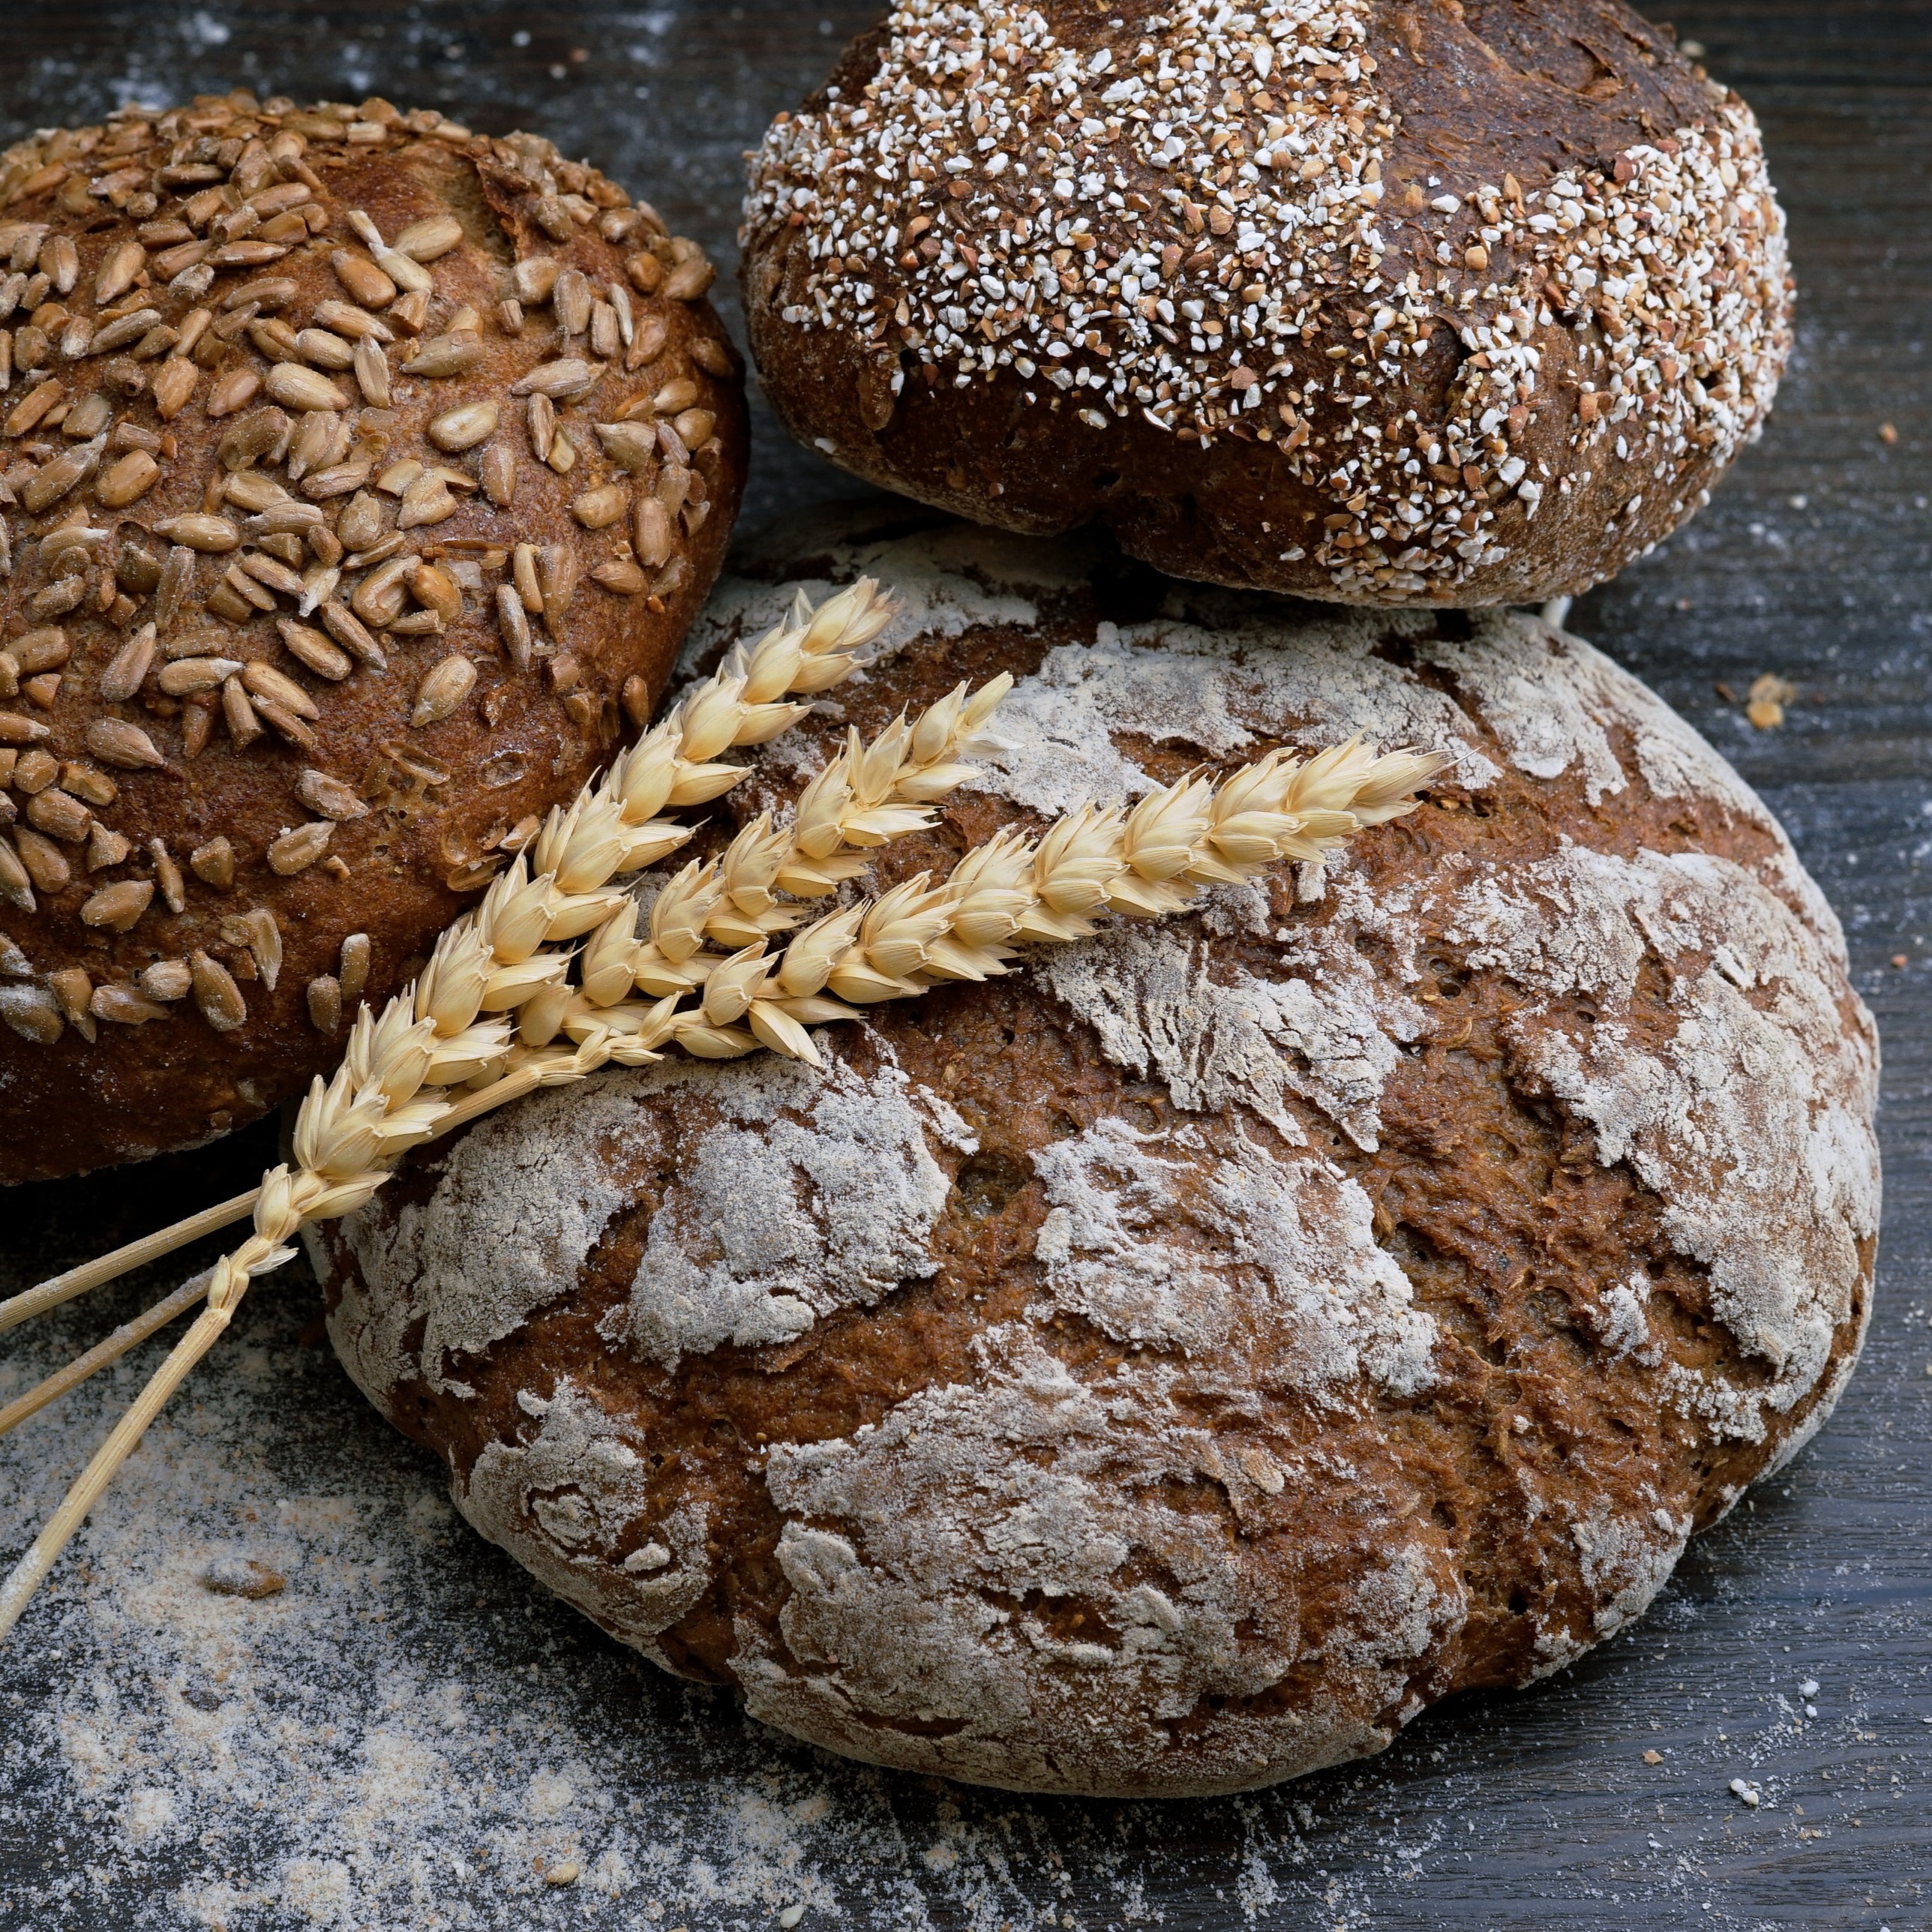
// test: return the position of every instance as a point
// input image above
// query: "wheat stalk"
(398, 1085)
(391, 1089)
(612, 827)
(1145, 863)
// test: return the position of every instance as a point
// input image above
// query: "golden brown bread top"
(1402, 294)
(360, 476)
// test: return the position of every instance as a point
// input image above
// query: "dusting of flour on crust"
(516, 1210)
(914, 1548)
(1162, 1004)
(778, 1221)
(1154, 1239)
(1750, 1121)
(1547, 725)
(565, 1501)
(1217, 690)
(1626, 1560)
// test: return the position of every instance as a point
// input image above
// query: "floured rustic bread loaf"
(359, 474)
(1448, 303)
(1169, 1368)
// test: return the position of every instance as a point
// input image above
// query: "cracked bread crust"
(1168, 1369)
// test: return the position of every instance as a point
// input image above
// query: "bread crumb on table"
(1769, 694)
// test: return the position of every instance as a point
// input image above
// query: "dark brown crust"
(1488, 1190)
(1482, 93)
(441, 797)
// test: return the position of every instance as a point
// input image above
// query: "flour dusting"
(1212, 691)
(1163, 1003)
(1154, 1239)
(568, 1504)
(505, 1232)
(778, 1221)
(924, 1553)
(407, 1731)
(1748, 1121)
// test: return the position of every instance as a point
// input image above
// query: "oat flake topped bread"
(1450, 303)
(360, 476)
(1169, 1368)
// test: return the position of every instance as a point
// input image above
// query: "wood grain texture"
(1813, 561)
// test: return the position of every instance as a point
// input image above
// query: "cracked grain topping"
(293, 482)
(1211, 221)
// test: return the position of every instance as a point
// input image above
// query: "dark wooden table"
(411, 1733)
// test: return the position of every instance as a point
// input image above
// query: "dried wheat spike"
(392, 1089)
(868, 795)
(509, 956)
(1154, 859)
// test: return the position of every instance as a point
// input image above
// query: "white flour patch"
(778, 1221)
(1162, 1006)
(1111, 1248)
(1156, 1240)
(915, 1550)
(567, 1502)
(1673, 760)
(1347, 1309)
(1548, 719)
(1145, 990)
(1214, 692)
(1555, 701)
(1628, 1559)
(1623, 1325)
(518, 1206)
(1750, 1121)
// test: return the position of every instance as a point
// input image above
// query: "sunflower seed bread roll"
(1171, 1367)
(1442, 303)
(359, 478)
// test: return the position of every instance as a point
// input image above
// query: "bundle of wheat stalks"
(729, 963)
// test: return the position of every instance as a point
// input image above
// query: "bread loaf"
(360, 476)
(1169, 1368)
(1448, 303)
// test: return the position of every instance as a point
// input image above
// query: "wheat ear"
(391, 1092)
(612, 827)
(1144, 861)
(909, 764)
